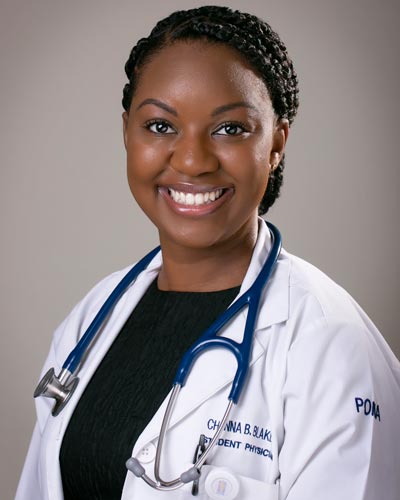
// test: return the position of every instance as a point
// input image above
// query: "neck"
(213, 268)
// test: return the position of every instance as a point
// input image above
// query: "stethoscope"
(61, 387)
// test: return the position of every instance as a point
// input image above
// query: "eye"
(231, 128)
(160, 127)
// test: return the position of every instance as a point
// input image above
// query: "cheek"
(138, 174)
(149, 156)
(262, 150)
(256, 177)
(142, 162)
(249, 166)
(261, 159)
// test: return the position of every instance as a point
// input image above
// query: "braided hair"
(253, 38)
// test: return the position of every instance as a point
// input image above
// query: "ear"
(280, 137)
(125, 119)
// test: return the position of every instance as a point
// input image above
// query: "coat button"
(221, 483)
(147, 454)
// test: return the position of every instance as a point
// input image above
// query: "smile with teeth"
(195, 199)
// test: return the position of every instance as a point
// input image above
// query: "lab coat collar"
(274, 306)
(215, 369)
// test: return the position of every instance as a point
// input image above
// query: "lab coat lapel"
(215, 369)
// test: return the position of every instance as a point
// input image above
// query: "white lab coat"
(318, 419)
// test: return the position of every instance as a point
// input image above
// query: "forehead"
(202, 70)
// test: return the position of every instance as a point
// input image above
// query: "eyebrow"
(217, 111)
(229, 107)
(158, 103)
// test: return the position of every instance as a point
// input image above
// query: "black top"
(128, 387)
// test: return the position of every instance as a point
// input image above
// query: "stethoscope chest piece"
(58, 388)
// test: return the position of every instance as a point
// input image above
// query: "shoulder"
(324, 320)
(319, 305)
(340, 391)
(302, 302)
(309, 286)
(92, 301)
(130, 281)
(67, 334)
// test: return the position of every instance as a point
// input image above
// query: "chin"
(193, 239)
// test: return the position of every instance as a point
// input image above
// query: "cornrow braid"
(253, 38)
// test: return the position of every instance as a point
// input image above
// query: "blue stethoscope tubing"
(211, 340)
(62, 386)
(241, 351)
(76, 355)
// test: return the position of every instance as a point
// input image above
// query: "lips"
(194, 200)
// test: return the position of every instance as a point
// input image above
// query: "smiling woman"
(199, 158)
(211, 96)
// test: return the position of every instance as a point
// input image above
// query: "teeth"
(194, 199)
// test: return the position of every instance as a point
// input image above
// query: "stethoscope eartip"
(190, 475)
(134, 466)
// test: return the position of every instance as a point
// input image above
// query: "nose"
(193, 155)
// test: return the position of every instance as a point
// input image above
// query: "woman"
(210, 99)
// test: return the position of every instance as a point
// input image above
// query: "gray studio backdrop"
(67, 214)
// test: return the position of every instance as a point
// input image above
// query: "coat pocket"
(217, 483)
